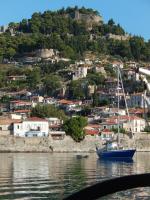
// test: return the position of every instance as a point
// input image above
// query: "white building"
(80, 73)
(107, 134)
(37, 99)
(137, 100)
(54, 121)
(49, 100)
(132, 123)
(31, 127)
(136, 124)
(117, 64)
(6, 125)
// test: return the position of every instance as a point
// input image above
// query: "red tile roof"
(55, 126)
(64, 101)
(91, 132)
(22, 111)
(137, 110)
(93, 126)
(123, 117)
(8, 121)
(107, 131)
(21, 102)
(36, 119)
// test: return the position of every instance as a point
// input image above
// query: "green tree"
(104, 102)
(52, 84)
(95, 78)
(137, 47)
(95, 99)
(111, 22)
(86, 111)
(76, 90)
(34, 79)
(10, 52)
(46, 111)
(75, 128)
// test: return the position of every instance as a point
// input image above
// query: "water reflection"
(55, 175)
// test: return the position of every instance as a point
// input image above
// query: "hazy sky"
(133, 15)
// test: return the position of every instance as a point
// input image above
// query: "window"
(1, 129)
(17, 126)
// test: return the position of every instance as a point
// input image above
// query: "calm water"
(54, 176)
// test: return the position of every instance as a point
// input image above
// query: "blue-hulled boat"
(114, 149)
(115, 153)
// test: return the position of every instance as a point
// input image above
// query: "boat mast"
(118, 101)
(126, 105)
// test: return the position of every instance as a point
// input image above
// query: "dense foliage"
(75, 128)
(45, 111)
(59, 30)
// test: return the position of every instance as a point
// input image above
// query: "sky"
(132, 15)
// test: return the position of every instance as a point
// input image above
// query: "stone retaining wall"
(43, 144)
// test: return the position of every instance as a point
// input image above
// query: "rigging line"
(126, 105)
(118, 103)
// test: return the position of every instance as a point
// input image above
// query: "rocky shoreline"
(43, 144)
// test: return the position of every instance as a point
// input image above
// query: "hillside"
(72, 32)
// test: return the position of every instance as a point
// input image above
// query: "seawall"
(18, 144)
(43, 144)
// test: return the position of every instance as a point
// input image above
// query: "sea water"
(26, 176)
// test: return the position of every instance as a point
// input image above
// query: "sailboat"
(113, 149)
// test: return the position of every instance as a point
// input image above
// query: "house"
(131, 74)
(16, 78)
(136, 124)
(20, 105)
(54, 121)
(20, 114)
(31, 127)
(107, 134)
(30, 59)
(57, 135)
(49, 100)
(137, 100)
(129, 123)
(91, 132)
(91, 89)
(55, 128)
(93, 126)
(100, 69)
(111, 85)
(131, 64)
(69, 105)
(81, 72)
(117, 64)
(87, 102)
(111, 124)
(93, 118)
(37, 99)
(92, 129)
(3, 107)
(140, 112)
(6, 125)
